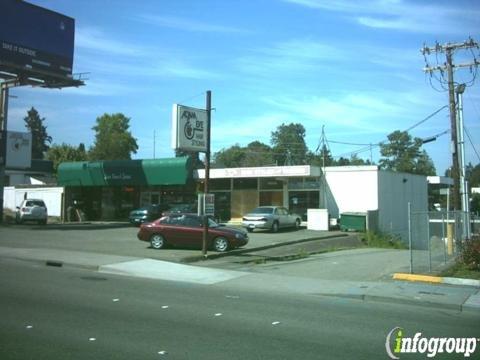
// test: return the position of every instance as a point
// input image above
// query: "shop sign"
(189, 128)
(206, 203)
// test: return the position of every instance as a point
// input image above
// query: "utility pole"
(449, 67)
(207, 170)
(3, 139)
(323, 147)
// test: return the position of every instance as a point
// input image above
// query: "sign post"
(191, 132)
(207, 171)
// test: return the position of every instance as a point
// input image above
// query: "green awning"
(174, 171)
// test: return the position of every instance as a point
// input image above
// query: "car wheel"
(297, 224)
(220, 244)
(157, 241)
(249, 230)
(18, 220)
(275, 226)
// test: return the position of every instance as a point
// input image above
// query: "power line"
(449, 67)
(471, 142)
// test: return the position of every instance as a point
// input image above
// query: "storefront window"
(271, 184)
(295, 183)
(245, 184)
(312, 183)
(300, 201)
(220, 184)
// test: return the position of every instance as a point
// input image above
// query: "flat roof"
(257, 172)
(440, 180)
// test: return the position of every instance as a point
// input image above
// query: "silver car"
(32, 210)
(271, 218)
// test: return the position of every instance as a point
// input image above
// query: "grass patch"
(460, 270)
(379, 240)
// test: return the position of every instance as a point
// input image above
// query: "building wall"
(350, 189)
(52, 196)
(396, 190)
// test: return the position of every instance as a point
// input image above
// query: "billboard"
(19, 150)
(36, 39)
(189, 128)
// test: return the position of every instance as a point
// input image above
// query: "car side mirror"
(17, 207)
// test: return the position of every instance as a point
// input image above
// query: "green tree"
(472, 173)
(288, 143)
(258, 154)
(403, 154)
(475, 204)
(40, 137)
(113, 140)
(230, 157)
(194, 155)
(317, 159)
(64, 152)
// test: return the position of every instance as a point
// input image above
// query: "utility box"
(353, 221)
(317, 219)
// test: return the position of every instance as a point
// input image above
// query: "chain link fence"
(436, 238)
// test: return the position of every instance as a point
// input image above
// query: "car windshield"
(262, 210)
(31, 203)
(212, 223)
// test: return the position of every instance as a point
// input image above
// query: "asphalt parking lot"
(120, 239)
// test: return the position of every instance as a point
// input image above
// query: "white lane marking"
(115, 300)
(165, 307)
(163, 352)
(92, 339)
(218, 314)
(29, 327)
(275, 322)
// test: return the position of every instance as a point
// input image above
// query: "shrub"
(471, 253)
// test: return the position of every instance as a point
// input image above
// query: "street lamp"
(459, 90)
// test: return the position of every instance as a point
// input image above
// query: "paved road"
(121, 239)
(58, 313)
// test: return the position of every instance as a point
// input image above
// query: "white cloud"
(94, 39)
(404, 15)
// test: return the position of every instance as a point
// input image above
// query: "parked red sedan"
(185, 230)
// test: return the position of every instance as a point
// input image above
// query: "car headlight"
(238, 236)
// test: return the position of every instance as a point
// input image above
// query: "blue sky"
(354, 67)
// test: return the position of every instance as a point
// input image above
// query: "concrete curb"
(192, 259)
(436, 279)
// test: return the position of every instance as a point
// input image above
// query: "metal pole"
(453, 129)
(410, 236)
(207, 171)
(429, 245)
(3, 128)
(461, 161)
(443, 239)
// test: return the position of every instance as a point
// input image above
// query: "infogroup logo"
(397, 343)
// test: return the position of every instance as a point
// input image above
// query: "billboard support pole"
(207, 171)
(3, 129)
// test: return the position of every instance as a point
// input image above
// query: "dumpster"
(353, 221)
